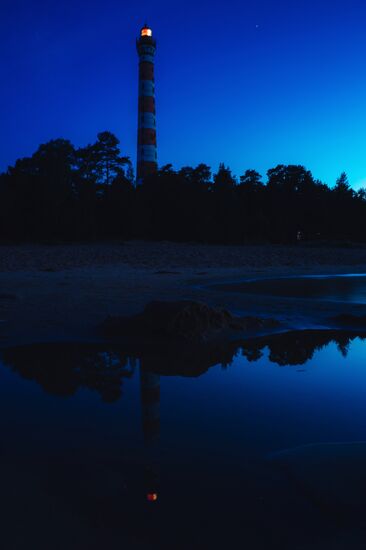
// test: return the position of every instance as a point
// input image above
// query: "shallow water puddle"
(340, 288)
(255, 442)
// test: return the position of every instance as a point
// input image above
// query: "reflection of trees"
(296, 348)
(291, 348)
(343, 344)
(182, 359)
(251, 354)
(61, 369)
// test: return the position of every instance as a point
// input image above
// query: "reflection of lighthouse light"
(146, 32)
(152, 497)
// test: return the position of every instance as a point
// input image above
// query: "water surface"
(340, 288)
(253, 445)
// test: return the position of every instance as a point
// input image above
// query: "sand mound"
(188, 320)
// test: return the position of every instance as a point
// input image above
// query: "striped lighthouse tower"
(146, 147)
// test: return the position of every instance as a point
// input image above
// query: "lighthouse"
(147, 158)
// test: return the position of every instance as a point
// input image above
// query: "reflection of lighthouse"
(150, 407)
(146, 146)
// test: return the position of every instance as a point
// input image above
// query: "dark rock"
(187, 320)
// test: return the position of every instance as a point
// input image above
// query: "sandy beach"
(63, 292)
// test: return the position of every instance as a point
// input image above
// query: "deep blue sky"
(252, 83)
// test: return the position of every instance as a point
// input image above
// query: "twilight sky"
(252, 83)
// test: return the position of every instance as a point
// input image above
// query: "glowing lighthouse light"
(146, 32)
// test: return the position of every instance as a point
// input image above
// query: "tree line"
(63, 193)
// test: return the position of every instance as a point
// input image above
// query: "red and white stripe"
(146, 142)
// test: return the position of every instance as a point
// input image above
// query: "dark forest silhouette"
(66, 194)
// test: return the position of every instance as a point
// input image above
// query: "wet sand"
(63, 292)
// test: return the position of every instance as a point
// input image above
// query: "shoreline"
(170, 256)
(46, 296)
